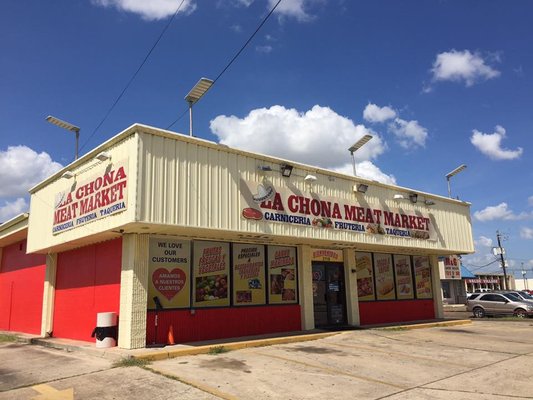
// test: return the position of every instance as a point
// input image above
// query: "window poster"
(422, 277)
(365, 276)
(248, 274)
(211, 273)
(404, 277)
(384, 277)
(282, 275)
(169, 271)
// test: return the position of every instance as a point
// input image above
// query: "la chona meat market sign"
(263, 202)
(98, 197)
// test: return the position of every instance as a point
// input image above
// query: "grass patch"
(217, 350)
(130, 362)
(5, 338)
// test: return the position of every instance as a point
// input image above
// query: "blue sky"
(438, 83)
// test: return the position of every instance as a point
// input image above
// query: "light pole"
(498, 236)
(450, 174)
(195, 94)
(524, 272)
(68, 126)
(356, 146)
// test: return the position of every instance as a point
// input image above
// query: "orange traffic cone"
(170, 336)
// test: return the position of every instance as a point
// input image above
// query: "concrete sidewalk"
(187, 349)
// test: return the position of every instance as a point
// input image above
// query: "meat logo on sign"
(169, 283)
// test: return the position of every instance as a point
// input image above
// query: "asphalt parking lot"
(487, 359)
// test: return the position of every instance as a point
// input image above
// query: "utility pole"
(498, 235)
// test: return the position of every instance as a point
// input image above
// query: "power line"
(134, 75)
(235, 56)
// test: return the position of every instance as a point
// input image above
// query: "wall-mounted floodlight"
(450, 174)
(286, 170)
(68, 126)
(360, 188)
(264, 168)
(103, 156)
(413, 197)
(429, 202)
(195, 94)
(356, 146)
(67, 175)
(310, 178)
(398, 197)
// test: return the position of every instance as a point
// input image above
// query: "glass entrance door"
(329, 299)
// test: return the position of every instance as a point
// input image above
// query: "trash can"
(106, 330)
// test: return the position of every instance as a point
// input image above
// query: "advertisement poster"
(365, 276)
(452, 267)
(249, 286)
(211, 274)
(169, 272)
(384, 277)
(404, 277)
(282, 275)
(422, 277)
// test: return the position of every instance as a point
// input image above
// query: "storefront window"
(365, 276)
(169, 273)
(423, 277)
(404, 277)
(282, 277)
(384, 277)
(249, 286)
(211, 274)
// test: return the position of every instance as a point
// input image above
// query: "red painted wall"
(21, 289)
(87, 282)
(218, 323)
(382, 312)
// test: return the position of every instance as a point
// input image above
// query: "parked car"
(522, 295)
(498, 304)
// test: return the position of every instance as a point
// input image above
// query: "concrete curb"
(155, 355)
(438, 324)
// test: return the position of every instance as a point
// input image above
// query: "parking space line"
(198, 385)
(331, 370)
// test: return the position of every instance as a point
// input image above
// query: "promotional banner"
(365, 276)
(452, 267)
(248, 274)
(422, 277)
(404, 277)
(384, 277)
(100, 196)
(211, 274)
(282, 277)
(264, 202)
(169, 272)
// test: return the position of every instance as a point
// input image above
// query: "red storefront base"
(219, 323)
(87, 282)
(382, 312)
(21, 289)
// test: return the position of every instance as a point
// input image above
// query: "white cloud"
(483, 241)
(374, 113)
(499, 212)
(526, 233)
(21, 168)
(367, 170)
(293, 8)
(263, 49)
(12, 209)
(149, 9)
(409, 133)
(490, 144)
(464, 66)
(318, 136)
